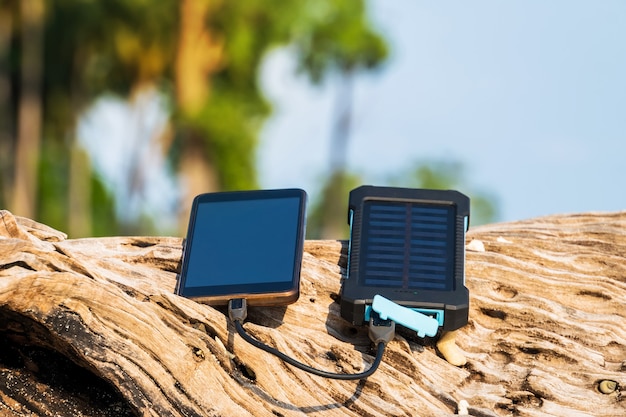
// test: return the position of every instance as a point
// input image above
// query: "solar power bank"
(408, 246)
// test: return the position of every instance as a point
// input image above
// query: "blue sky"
(529, 95)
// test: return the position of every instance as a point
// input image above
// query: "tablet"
(244, 244)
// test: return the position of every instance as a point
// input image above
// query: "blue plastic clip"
(407, 317)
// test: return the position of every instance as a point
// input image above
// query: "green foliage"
(229, 125)
(115, 46)
(103, 209)
(338, 35)
(328, 215)
(325, 35)
(109, 45)
(53, 171)
(53, 204)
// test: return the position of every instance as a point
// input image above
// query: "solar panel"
(408, 245)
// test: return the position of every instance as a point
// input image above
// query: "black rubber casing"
(356, 295)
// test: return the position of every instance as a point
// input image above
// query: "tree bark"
(546, 330)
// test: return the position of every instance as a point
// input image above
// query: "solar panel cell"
(408, 245)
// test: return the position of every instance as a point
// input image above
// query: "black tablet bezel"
(280, 292)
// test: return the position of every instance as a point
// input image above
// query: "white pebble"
(463, 408)
(476, 246)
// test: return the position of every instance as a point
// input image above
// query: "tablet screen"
(244, 243)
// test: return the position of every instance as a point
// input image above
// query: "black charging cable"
(381, 332)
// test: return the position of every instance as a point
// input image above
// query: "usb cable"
(381, 332)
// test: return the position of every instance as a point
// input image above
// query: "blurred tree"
(429, 174)
(358, 50)
(24, 187)
(328, 215)
(7, 133)
(219, 116)
(204, 54)
(327, 220)
(446, 174)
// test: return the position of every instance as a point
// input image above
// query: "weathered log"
(546, 336)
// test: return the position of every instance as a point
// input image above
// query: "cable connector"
(407, 317)
(381, 331)
(237, 309)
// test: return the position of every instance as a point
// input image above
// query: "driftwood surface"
(92, 327)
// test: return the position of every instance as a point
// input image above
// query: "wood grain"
(547, 325)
